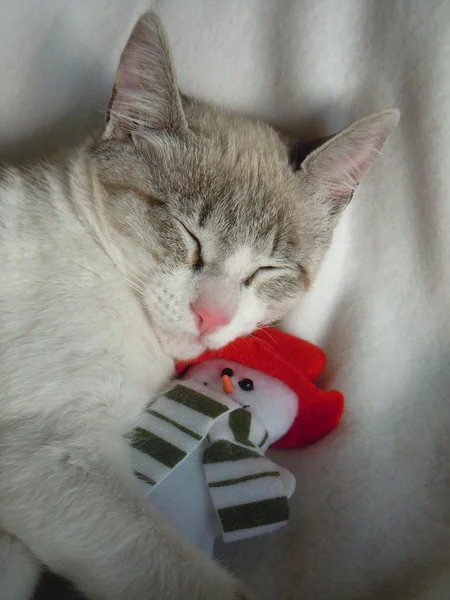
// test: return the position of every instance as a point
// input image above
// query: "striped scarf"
(246, 488)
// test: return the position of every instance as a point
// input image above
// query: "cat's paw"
(210, 581)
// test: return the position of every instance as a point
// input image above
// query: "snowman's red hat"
(296, 363)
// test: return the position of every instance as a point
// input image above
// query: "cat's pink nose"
(209, 320)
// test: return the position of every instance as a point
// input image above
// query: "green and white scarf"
(246, 488)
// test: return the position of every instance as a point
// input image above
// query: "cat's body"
(180, 228)
(69, 322)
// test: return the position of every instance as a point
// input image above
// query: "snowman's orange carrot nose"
(227, 384)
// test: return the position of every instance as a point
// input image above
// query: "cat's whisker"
(133, 270)
(259, 340)
(137, 274)
(264, 330)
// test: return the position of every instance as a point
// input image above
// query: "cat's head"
(217, 230)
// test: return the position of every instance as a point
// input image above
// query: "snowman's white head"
(272, 402)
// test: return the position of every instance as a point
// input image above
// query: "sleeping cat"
(179, 228)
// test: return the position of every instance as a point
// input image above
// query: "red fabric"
(298, 364)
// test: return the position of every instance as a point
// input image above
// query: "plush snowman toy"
(199, 451)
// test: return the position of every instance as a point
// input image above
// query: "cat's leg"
(19, 570)
(77, 507)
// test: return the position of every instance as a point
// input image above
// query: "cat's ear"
(335, 169)
(145, 95)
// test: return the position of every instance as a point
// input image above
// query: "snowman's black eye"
(246, 385)
(227, 371)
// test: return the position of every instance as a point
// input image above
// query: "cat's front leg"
(75, 504)
(19, 570)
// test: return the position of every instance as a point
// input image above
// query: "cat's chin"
(187, 346)
(224, 336)
(181, 347)
(189, 352)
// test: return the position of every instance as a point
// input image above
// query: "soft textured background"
(371, 518)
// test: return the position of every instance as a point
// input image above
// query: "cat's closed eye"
(270, 268)
(197, 258)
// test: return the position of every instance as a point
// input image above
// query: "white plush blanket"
(371, 517)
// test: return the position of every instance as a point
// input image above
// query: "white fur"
(18, 569)
(78, 363)
(240, 262)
